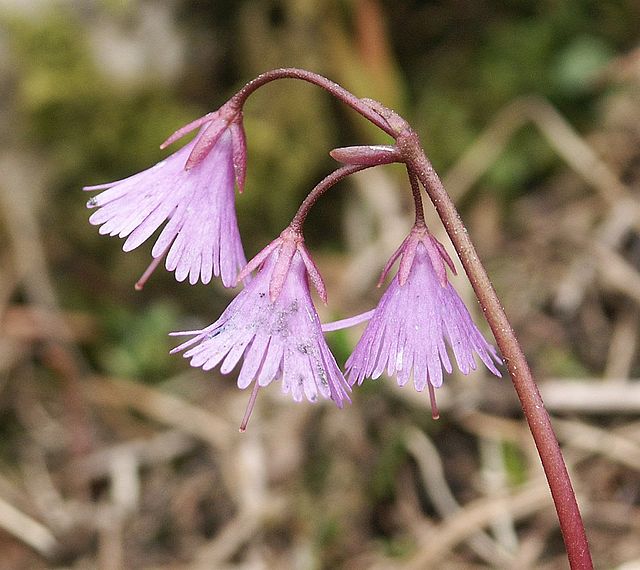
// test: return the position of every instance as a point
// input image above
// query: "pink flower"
(192, 190)
(272, 324)
(418, 312)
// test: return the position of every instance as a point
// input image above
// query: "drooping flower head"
(419, 314)
(192, 190)
(273, 326)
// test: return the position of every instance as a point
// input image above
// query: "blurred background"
(114, 454)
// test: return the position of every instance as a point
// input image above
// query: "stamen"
(140, 283)
(349, 322)
(435, 413)
(252, 401)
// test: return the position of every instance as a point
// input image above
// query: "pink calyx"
(289, 243)
(407, 251)
(215, 124)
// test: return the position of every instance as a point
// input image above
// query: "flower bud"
(369, 155)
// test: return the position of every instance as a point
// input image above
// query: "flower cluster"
(272, 326)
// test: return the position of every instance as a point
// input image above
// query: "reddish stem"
(417, 197)
(419, 166)
(571, 524)
(336, 90)
(319, 190)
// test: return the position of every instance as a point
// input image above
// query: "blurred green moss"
(515, 464)
(136, 343)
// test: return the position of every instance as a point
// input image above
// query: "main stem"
(571, 524)
(417, 163)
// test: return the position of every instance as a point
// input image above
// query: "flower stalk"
(411, 153)
(272, 325)
(339, 92)
(571, 524)
(319, 190)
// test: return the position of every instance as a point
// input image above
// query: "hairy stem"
(419, 166)
(336, 90)
(417, 198)
(319, 190)
(537, 417)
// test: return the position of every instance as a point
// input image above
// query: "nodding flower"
(191, 193)
(418, 315)
(273, 326)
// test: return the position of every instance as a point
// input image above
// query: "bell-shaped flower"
(419, 314)
(192, 190)
(272, 325)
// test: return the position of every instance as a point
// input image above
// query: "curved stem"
(336, 90)
(320, 189)
(537, 417)
(419, 166)
(417, 197)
